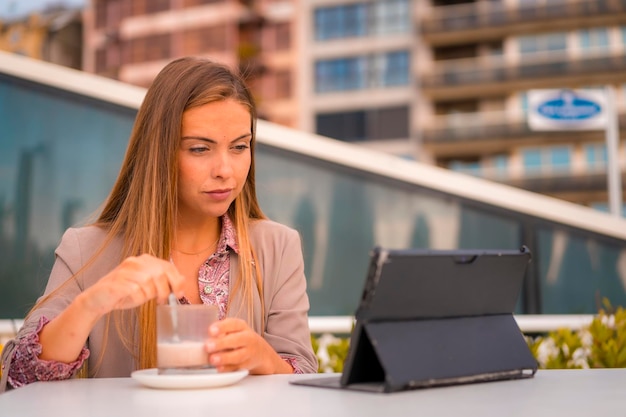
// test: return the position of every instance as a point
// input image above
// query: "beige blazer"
(279, 253)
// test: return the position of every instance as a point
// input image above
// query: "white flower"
(586, 338)
(546, 350)
(579, 358)
(609, 321)
(565, 349)
(322, 351)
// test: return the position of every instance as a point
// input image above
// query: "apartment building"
(440, 81)
(132, 40)
(446, 82)
(480, 61)
(54, 35)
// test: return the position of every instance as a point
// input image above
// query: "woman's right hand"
(134, 281)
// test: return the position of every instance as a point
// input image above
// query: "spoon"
(173, 302)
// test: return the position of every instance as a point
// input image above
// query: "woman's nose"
(222, 165)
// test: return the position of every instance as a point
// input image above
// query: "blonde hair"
(142, 206)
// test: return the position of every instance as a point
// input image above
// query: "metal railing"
(342, 325)
(475, 125)
(473, 16)
(482, 70)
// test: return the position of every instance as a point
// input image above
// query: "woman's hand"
(134, 281)
(233, 345)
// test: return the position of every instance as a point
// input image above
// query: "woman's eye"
(241, 147)
(198, 149)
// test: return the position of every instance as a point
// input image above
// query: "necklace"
(199, 252)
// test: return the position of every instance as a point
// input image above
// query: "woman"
(182, 217)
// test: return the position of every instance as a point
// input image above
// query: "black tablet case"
(430, 318)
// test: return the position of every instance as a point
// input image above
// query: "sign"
(567, 109)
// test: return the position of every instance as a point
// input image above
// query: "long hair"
(143, 204)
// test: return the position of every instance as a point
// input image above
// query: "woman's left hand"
(233, 345)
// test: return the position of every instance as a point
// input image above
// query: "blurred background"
(440, 82)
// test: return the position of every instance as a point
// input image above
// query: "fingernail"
(210, 345)
(215, 359)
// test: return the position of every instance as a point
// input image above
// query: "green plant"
(601, 344)
(331, 352)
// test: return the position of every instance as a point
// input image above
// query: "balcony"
(471, 22)
(496, 126)
(498, 75)
(468, 127)
(566, 183)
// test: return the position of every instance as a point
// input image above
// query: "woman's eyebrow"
(245, 135)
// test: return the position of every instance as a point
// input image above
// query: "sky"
(13, 9)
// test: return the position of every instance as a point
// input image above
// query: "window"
(597, 38)
(108, 13)
(500, 166)
(15, 36)
(523, 102)
(282, 33)
(101, 60)
(205, 39)
(150, 48)
(362, 19)
(340, 21)
(396, 68)
(283, 84)
(155, 6)
(542, 43)
(391, 16)
(362, 72)
(100, 9)
(362, 125)
(604, 207)
(191, 3)
(107, 57)
(340, 74)
(466, 167)
(595, 156)
(556, 159)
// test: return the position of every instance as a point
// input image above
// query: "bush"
(602, 344)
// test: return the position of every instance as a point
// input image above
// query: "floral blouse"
(213, 282)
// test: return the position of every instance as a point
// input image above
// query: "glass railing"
(487, 125)
(497, 69)
(64, 133)
(493, 125)
(495, 14)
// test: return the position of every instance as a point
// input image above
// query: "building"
(132, 41)
(480, 60)
(54, 35)
(460, 99)
(440, 81)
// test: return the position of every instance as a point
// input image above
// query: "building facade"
(440, 81)
(481, 60)
(132, 41)
(446, 82)
(54, 35)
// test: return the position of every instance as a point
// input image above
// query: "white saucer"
(151, 378)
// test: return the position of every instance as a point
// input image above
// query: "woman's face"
(214, 158)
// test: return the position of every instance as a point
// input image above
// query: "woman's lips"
(219, 194)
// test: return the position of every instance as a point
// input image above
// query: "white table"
(567, 393)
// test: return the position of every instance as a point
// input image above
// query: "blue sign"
(569, 106)
(559, 109)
